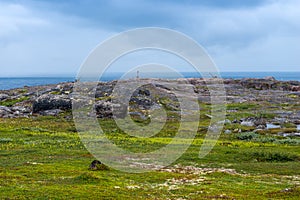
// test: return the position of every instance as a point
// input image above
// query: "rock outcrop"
(50, 102)
(57, 98)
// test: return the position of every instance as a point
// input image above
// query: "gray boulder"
(21, 109)
(103, 109)
(3, 96)
(260, 122)
(50, 102)
(107, 109)
(247, 123)
(4, 111)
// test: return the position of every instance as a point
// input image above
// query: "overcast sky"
(53, 37)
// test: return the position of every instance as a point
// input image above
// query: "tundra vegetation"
(256, 157)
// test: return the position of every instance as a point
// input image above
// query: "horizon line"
(71, 76)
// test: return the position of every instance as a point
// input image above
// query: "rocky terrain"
(278, 98)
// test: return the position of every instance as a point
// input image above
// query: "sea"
(19, 82)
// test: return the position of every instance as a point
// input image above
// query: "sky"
(54, 37)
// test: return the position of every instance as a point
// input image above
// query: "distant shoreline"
(7, 83)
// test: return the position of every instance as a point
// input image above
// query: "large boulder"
(107, 109)
(50, 102)
(295, 88)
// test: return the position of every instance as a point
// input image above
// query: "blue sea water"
(19, 82)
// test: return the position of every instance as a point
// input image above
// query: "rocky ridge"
(57, 98)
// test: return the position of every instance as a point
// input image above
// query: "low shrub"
(263, 139)
(288, 141)
(248, 136)
(255, 137)
(271, 156)
(86, 178)
(5, 140)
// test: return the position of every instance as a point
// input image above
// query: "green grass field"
(43, 158)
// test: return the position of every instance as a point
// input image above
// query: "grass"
(11, 102)
(255, 137)
(44, 158)
(241, 106)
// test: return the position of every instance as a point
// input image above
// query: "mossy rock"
(247, 128)
(263, 131)
(282, 130)
(289, 125)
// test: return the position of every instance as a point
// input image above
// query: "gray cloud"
(43, 43)
(55, 36)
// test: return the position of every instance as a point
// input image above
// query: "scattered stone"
(3, 96)
(32, 163)
(247, 123)
(21, 109)
(226, 121)
(235, 121)
(197, 170)
(289, 134)
(286, 190)
(237, 130)
(133, 187)
(5, 108)
(260, 122)
(54, 112)
(5, 111)
(260, 127)
(272, 126)
(209, 116)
